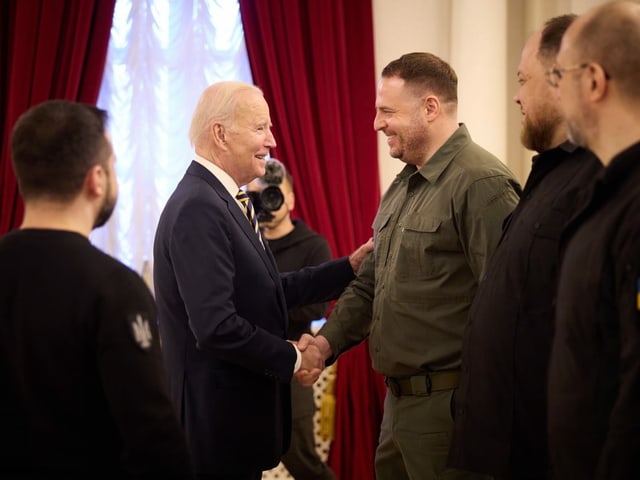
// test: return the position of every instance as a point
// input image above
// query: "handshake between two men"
(316, 350)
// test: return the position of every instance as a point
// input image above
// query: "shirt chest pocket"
(549, 220)
(424, 247)
(547, 229)
(382, 233)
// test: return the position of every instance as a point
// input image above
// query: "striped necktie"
(247, 206)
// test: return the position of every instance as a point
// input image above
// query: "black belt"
(423, 385)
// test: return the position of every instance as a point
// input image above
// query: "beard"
(538, 133)
(413, 144)
(106, 209)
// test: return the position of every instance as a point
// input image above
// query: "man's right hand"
(312, 365)
(319, 341)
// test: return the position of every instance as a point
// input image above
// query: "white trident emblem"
(141, 332)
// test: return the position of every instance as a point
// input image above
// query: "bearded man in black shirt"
(501, 402)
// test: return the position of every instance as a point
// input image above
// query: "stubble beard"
(108, 205)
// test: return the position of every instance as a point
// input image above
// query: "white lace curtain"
(162, 54)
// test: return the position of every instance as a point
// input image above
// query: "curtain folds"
(315, 63)
(161, 56)
(48, 49)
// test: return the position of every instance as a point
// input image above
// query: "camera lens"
(271, 199)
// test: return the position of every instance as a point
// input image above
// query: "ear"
(598, 81)
(290, 199)
(432, 107)
(95, 181)
(219, 134)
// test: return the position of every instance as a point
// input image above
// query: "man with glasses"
(507, 341)
(594, 375)
(554, 74)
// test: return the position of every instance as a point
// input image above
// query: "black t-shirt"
(83, 385)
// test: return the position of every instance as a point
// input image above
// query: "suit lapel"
(239, 217)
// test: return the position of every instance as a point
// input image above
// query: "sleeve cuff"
(298, 364)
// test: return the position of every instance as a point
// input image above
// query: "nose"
(271, 140)
(378, 122)
(516, 97)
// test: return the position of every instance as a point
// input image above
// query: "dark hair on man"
(610, 36)
(551, 37)
(425, 72)
(54, 145)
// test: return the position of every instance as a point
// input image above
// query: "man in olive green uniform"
(436, 227)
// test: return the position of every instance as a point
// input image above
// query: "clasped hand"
(314, 352)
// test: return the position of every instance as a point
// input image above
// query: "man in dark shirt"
(594, 373)
(84, 393)
(294, 246)
(501, 402)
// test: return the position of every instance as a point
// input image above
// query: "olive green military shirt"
(434, 233)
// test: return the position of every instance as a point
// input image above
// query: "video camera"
(270, 198)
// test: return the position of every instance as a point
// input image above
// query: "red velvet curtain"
(314, 61)
(48, 49)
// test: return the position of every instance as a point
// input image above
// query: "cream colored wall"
(481, 39)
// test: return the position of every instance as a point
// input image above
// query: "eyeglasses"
(554, 75)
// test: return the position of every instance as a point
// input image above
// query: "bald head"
(610, 35)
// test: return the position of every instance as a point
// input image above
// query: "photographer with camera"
(294, 246)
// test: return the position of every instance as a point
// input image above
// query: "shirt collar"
(561, 150)
(224, 178)
(440, 160)
(622, 165)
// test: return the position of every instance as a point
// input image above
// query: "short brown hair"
(551, 37)
(426, 72)
(53, 146)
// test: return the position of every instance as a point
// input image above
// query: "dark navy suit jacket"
(222, 311)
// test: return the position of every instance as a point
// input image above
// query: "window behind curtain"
(162, 55)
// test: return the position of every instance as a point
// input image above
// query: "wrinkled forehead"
(251, 104)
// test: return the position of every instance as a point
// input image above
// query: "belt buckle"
(421, 385)
(394, 386)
